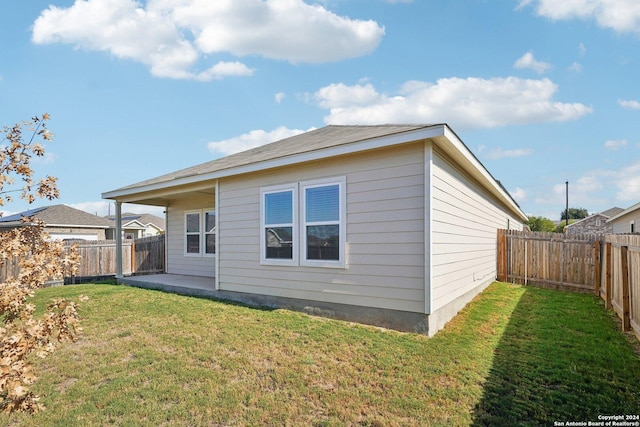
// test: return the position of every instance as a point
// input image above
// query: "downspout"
(118, 240)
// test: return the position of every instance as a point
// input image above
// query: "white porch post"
(118, 240)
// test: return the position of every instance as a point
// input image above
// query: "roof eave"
(482, 174)
(349, 148)
(432, 132)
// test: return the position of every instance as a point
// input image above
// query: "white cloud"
(631, 104)
(576, 67)
(465, 103)
(253, 139)
(627, 180)
(581, 191)
(499, 153)
(171, 37)
(615, 145)
(587, 190)
(340, 95)
(622, 16)
(518, 194)
(582, 49)
(529, 61)
(279, 97)
(224, 69)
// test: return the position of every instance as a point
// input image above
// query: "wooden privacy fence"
(98, 258)
(148, 255)
(619, 282)
(607, 265)
(551, 260)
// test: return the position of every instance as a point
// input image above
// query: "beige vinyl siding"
(464, 222)
(177, 262)
(622, 225)
(385, 229)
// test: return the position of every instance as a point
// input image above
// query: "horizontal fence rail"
(608, 265)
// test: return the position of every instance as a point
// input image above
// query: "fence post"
(626, 321)
(133, 256)
(502, 255)
(596, 259)
(607, 298)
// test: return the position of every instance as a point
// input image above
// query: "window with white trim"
(323, 226)
(278, 235)
(210, 232)
(200, 233)
(313, 234)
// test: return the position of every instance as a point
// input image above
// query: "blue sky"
(541, 91)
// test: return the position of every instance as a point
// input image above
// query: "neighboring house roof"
(326, 142)
(140, 221)
(57, 215)
(612, 212)
(604, 214)
(625, 212)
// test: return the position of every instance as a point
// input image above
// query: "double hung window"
(321, 223)
(200, 233)
(279, 227)
(312, 234)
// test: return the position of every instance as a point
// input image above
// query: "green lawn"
(515, 356)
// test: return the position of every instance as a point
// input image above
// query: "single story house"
(627, 221)
(62, 222)
(594, 224)
(391, 225)
(136, 226)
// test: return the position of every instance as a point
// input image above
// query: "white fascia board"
(481, 172)
(158, 190)
(349, 148)
(133, 224)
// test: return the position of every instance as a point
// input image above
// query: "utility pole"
(567, 211)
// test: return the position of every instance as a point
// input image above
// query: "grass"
(515, 355)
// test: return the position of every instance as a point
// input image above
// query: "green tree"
(574, 213)
(540, 223)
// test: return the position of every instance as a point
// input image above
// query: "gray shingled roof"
(58, 215)
(326, 137)
(612, 212)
